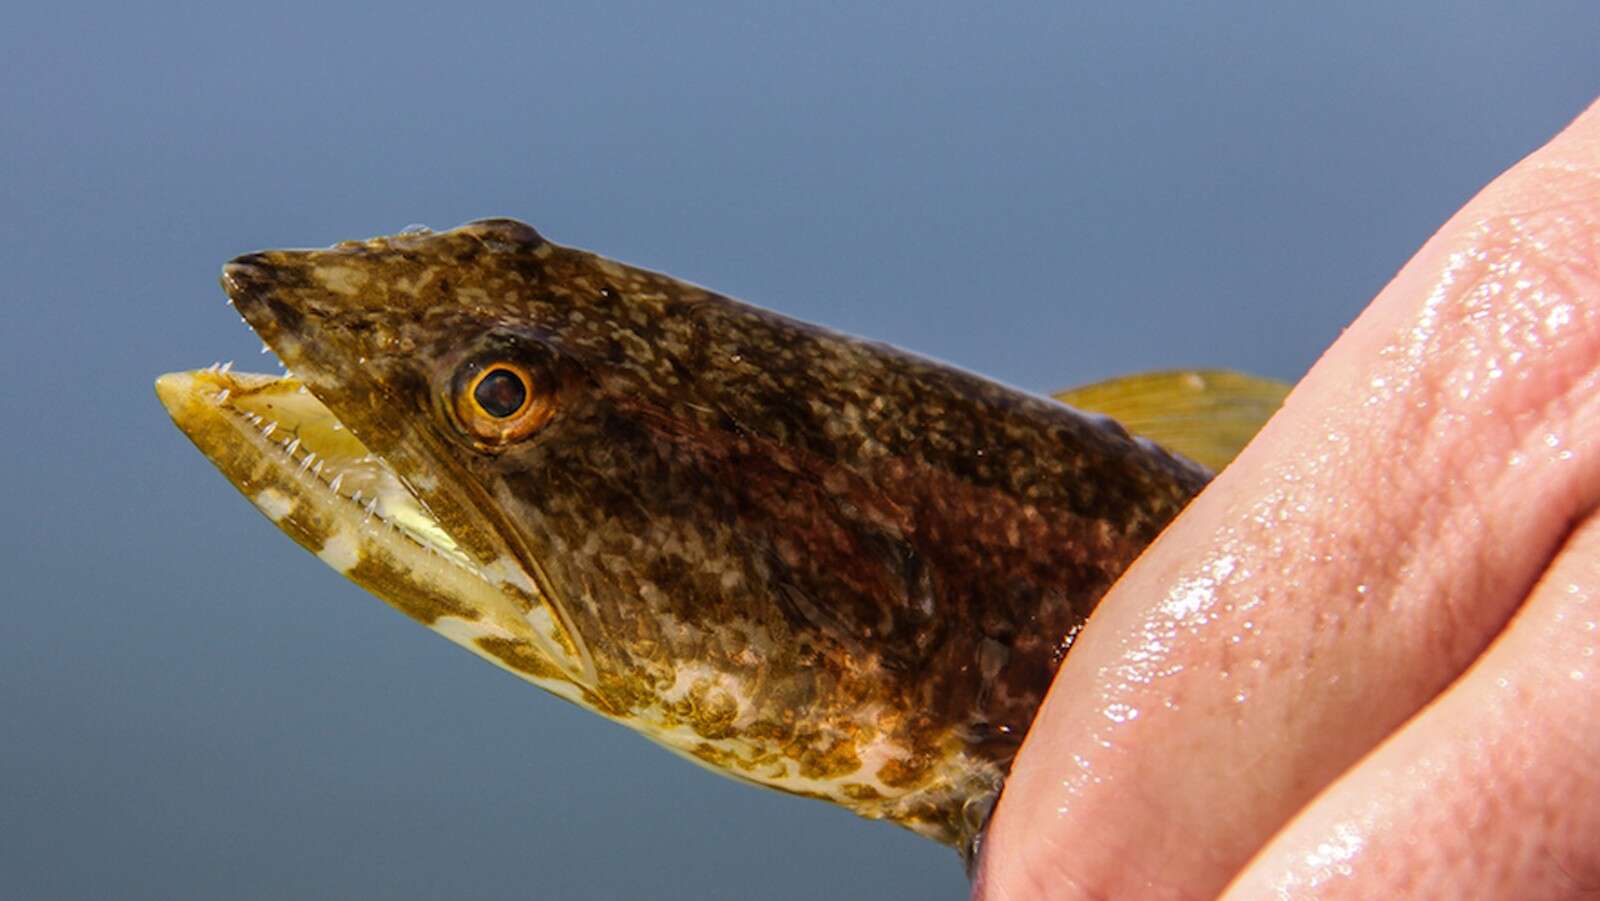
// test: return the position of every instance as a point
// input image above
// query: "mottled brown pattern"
(856, 551)
(518, 656)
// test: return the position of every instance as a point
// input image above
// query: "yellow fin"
(1208, 415)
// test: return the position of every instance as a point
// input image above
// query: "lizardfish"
(805, 560)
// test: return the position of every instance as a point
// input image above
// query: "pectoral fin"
(1208, 415)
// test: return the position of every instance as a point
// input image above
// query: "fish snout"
(245, 275)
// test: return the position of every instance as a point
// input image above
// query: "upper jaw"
(330, 316)
(245, 280)
(274, 295)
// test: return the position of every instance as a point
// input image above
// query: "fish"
(808, 561)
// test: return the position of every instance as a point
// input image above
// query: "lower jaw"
(288, 455)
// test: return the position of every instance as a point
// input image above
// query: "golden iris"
(501, 403)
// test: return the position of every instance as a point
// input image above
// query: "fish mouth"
(272, 425)
(293, 457)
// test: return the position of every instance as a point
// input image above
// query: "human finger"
(1353, 561)
(1493, 791)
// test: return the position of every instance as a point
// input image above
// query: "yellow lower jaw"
(341, 460)
(289, 456)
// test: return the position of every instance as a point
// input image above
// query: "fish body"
(809, 561)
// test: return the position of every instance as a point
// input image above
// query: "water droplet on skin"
(1332, 857)
(1121, 713)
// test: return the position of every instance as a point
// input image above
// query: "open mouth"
(291, 457)
(282, 445)
(296, 434)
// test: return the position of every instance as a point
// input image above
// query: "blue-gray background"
(1049, 193)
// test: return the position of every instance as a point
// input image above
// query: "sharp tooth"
(291, 447)
(306, 463)
(227, 367)
(265, 349)
(337, 481)
(222, 396)
(267, 432)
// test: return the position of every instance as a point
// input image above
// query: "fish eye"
(501, 402)
(500, 392)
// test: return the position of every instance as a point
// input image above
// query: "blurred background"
(1048, 193)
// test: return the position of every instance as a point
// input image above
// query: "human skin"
(1363, 662)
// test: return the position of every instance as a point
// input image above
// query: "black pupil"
(500, 393)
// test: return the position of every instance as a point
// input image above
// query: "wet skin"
(1363, 663)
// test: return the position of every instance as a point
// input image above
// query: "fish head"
(638, 494)
(436, 352)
